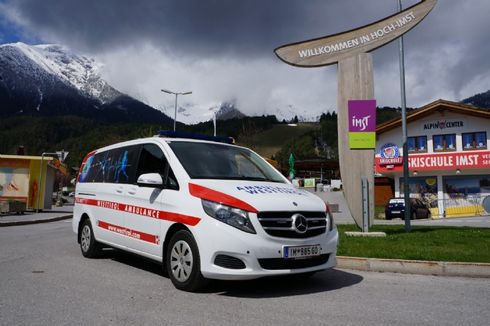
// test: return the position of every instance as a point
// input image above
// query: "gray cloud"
(193, 26)
(223, 49)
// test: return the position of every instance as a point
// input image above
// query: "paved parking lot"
(46, 281)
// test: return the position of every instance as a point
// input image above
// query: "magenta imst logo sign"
(362, 124)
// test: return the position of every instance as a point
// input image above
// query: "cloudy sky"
(222, 50)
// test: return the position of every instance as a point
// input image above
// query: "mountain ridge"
(47, 80)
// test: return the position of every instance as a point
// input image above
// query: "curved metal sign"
(333, 48)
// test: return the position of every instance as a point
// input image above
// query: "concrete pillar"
(397, 185)
(355, 82)
(440, 196)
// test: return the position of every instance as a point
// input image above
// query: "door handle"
(119, 190)
(132, 191)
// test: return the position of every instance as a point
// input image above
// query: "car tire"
(89, 246)
(414, 216)
(183, 263)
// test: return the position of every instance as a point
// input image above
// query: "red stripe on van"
(129, 232)
(219, 197)
(138, 210)
(180, 218)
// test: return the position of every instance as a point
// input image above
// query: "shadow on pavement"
(283, 286)
(132, 260)
(269, 287)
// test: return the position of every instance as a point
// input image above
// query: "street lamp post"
(406, 190)
(176, 95)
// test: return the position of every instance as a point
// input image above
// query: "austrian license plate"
(395, 212)
(301, 251)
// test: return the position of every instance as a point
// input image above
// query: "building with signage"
(20, 178)
(449, 157)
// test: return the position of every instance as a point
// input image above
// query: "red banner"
(439, 161)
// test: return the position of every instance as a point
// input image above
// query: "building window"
(475, 140)
(417, 144)
(424, 188)
(463, 186)
(444, 143)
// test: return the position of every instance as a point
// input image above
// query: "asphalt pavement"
(46, 281)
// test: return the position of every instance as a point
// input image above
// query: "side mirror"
(152, 180)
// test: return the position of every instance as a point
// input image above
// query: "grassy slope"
(423, 243)
(269, 142)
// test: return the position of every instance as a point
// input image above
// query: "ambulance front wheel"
(183, 263)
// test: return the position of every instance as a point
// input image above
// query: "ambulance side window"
(152, 160)
(120, 165)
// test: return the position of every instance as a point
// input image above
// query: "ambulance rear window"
(219, 161)
(112, 166)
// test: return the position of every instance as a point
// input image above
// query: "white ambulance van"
(203, 208)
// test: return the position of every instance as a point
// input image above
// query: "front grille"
(229, 262)
(288, 263)
(279, 224)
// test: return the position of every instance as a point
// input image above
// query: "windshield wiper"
(238, 178)
(252, 178)
(258, 179)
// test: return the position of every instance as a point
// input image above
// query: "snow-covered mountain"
(77, 71)
(289, 112)
(193, 114)
(51, 80)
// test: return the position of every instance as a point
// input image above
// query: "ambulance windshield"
(219, 161)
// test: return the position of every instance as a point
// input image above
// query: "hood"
(256, 196)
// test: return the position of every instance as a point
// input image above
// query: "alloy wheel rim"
(181, 261)
(85, 238)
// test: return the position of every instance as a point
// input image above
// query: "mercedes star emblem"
(300, 224)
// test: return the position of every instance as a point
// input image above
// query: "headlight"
(232, 216)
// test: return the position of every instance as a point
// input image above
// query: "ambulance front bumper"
(236, 255)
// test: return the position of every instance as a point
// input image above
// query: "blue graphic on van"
(86, 169)
(121, 167)
(108, 166)
(253, 190)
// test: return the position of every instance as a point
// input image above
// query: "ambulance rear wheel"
(89, 246)
(183, 263)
